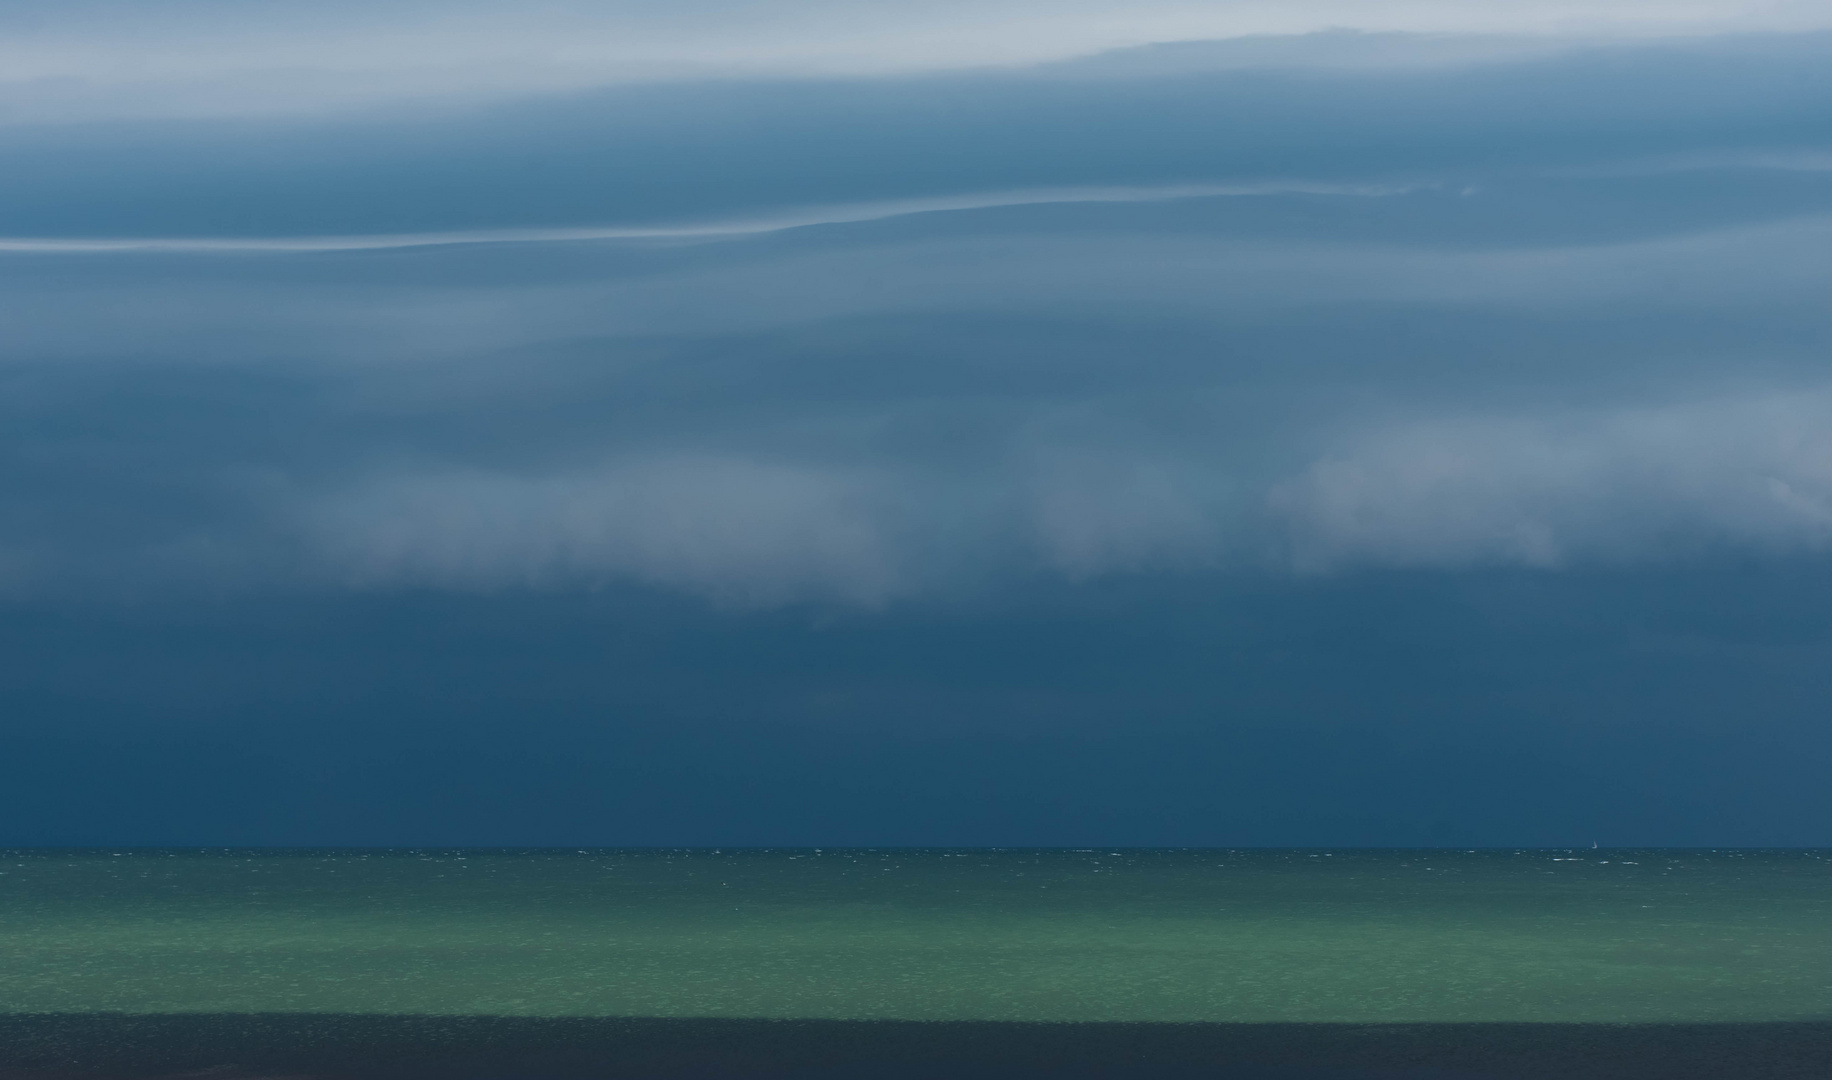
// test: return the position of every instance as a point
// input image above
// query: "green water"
(1015, 935)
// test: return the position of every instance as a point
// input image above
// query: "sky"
(816, 423)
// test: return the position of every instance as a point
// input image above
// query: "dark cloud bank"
(1394, 453)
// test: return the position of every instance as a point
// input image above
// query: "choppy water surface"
(1009, 935)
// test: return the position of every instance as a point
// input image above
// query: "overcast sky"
(1165, 423)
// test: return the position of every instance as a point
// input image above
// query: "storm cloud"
(1214, 368)
(862, 411)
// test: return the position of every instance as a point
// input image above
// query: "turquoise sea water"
(1096, 935)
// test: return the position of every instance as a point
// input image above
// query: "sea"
(916, 963)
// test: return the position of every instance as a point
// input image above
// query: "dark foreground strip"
(359, 1047)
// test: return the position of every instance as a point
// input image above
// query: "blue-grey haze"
(1334, 438)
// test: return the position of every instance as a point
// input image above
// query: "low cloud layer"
(1656, 483)
(1662, 485)
(737, 530)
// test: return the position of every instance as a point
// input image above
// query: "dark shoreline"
(359, 1047)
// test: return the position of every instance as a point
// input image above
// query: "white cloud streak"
(794, 218)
